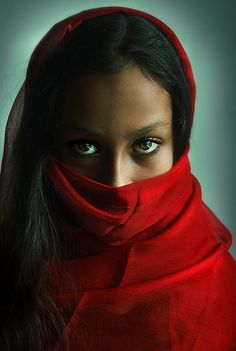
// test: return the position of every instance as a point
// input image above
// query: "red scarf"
(146, 265)
(128, 213)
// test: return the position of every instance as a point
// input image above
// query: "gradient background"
(206, 30)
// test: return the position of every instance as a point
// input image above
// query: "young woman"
(106, 243)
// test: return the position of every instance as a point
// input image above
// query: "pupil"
(146, 144)
(85, 146)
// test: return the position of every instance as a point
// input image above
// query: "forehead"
(126, 97)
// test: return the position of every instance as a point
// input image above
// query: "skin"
(111, 107)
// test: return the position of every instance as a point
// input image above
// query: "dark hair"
(29, 236)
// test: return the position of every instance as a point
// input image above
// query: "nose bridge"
(116, 172)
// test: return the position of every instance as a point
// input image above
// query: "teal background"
(206, 30)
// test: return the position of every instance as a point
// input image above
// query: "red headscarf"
(147, 264)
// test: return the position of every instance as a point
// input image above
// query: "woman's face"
(115, 128)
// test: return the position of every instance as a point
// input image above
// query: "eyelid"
(91, 141)
(77, 141)
(154, 139)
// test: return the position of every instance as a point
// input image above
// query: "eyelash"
(158, 142)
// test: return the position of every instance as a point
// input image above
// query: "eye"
(148, 146)
(84, 147)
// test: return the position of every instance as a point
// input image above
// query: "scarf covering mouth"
(147, 265)
(118, 214)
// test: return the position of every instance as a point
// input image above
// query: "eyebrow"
(133, 133)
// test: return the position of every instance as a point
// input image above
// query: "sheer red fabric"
(147, 264)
